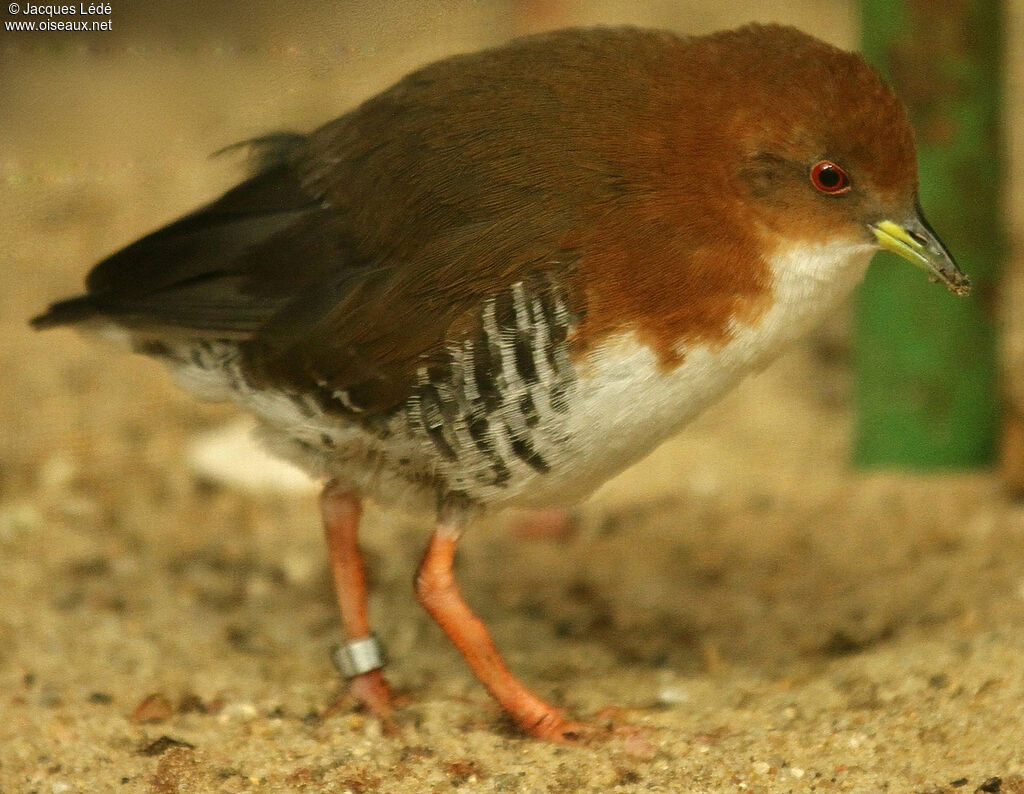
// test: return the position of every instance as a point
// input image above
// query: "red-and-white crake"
(513, 273)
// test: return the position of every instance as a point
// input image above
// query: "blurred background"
(748, 543)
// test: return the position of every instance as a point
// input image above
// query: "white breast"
(621, 403)
(627, 403)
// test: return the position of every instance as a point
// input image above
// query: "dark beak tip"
(959, 284)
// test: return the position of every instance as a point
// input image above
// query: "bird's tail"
(66, 312)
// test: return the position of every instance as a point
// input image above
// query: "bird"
(513, 273)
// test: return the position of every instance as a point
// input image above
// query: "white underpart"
(627, 404)
(622, 404)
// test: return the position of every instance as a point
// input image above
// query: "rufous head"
(821, 149)
(748, 145)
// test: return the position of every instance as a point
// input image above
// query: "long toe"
(372, 692)
(555, 728)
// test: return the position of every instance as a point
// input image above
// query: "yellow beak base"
(916, 242)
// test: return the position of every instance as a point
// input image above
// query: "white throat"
(808, 282)
(627, 403)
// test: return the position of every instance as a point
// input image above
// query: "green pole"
(925, 360)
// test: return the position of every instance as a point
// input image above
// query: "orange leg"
(341, 510)
(438, 593)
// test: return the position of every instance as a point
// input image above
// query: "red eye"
(829, 178)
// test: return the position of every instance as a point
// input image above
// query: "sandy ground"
(770, 620)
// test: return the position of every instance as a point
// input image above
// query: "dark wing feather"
(357, 254)
(464, 178)
(371, 336)
(224, 269)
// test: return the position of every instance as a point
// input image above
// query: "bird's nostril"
(917, 237)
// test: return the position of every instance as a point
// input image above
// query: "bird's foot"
(372, 693)
(553, 727)
(608, 724)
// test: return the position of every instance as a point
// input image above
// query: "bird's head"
(735, 172)
(822, 150)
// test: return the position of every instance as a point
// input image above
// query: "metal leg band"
(358, 656)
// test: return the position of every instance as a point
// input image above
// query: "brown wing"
(370, 337)
(227, 268)
(464, 178)
(355, 253)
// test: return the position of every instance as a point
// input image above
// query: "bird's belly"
(546, 440)
(619, 404)
(625, 401)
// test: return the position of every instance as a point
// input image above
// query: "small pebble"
(238, 711)
(153, 709)
(671, 693)
(162, 745)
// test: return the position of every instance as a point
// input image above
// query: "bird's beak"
(917, 242)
